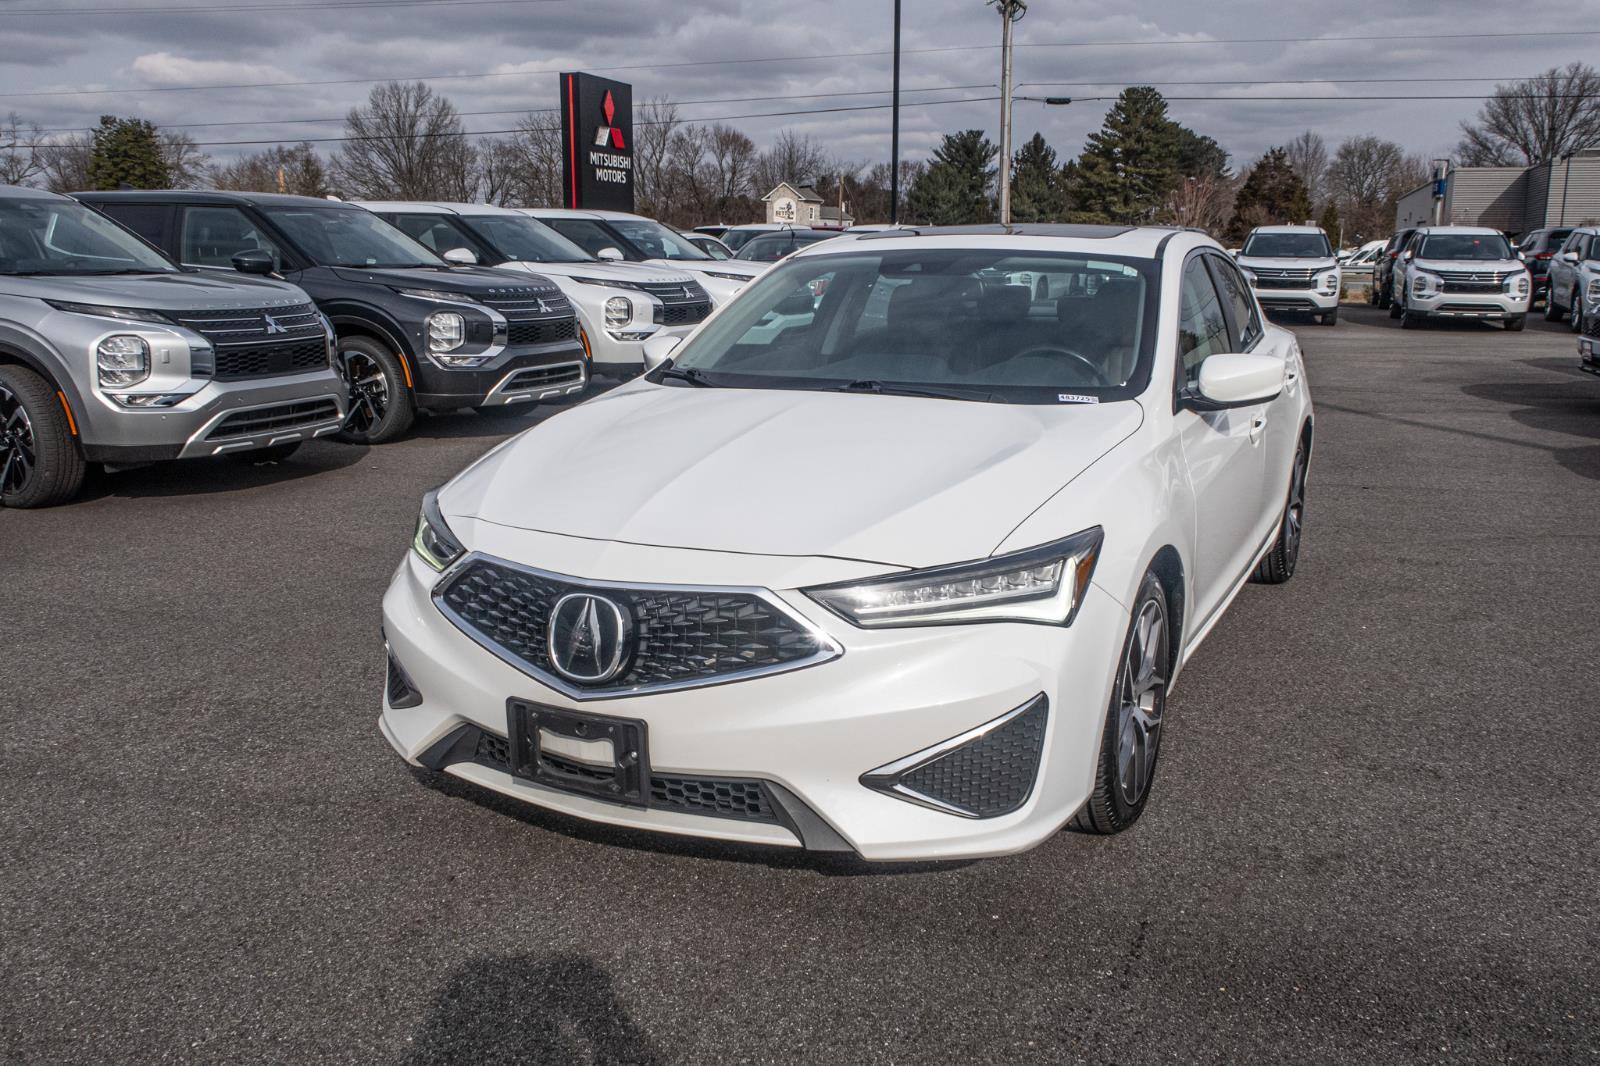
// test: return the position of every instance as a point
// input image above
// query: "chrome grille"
(1474, 281)
(1285, 278)
(270, 324)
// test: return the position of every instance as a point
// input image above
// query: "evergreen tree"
(954, 189)
(1130, 165)
(1272, 193)
(1199, 156)
(1330, 222)
(127, 151)
(1038, 185)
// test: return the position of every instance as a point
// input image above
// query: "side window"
(1202, 326)
(153, 222)
(435, 234)
(1241, 305)
(212, 236)
(590, 238)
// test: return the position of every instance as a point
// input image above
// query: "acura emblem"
(272, 325)
(588, 638)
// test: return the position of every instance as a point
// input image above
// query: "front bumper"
(1311, 301)
(616, 357)
(1589, 347)
(518, 375)
(812, 732)
(222, 417)
(1469, 305)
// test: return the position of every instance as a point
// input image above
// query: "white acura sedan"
(892, 557)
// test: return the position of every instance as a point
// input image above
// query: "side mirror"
(254, 261)
(1239, 379)
(1408, 255)
(460, 257)
(1249, 276)
(1569, 257)
(610, 255)
(658, 350)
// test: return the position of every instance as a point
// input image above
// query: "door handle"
(1258, 425)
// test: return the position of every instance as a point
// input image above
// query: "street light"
(1010, 11)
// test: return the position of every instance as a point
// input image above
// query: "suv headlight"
(1044, 584)
(122, 360)
(447, 331)
(1423, 283)
(438, 296)
(619, 312)
(604, 283)
(433, 542)
(1330, 281)
(740, 278)
(127, 314)
(1592, 292)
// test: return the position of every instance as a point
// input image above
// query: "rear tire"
(1515, 323)
(507, 412)
(275, 453)
(1394, 307)
(1384, 301)
(381, 404)
(39, 462)
(1130, 741)
(1277, 566)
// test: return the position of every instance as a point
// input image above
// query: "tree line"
(409, 142)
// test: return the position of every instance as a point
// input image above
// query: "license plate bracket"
(625, 779)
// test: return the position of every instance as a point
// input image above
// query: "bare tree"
(1538, 120)
(295, 168)
(794, 158)
(407, 143)
(655, 124)
(732, 157)
(536, 162)
(21, 162)
(187, 166)
(67, 162)
(1367, 176)
(1308, 158)
(1204, 201)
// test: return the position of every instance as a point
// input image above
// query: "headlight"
(1593, 291)
(619, 312)
(741, 278)
(1330, 282)
(437, 295)
(433, 542)
(447, 331)
(1043, 584)
(1423, 283)
(122, 360)
(605, 283)
(129, 314)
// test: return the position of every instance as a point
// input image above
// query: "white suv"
(1460, 272)
(1574, 277)
(620, 305)
(1293, 268)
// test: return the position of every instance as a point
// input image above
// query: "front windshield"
(1484, 246)
(712, 248)
(976, 324)
(349, 237)
(524, 239)
(63, 237)
(654, 240)
(738, 238)
(1287, 246)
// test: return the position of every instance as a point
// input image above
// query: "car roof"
(1141, 242)
(1476, 231)
(1287, 229)
(568, 212)
(19, 192)
(436, 207)
(209, 196)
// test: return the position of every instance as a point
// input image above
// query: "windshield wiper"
(874, 386)
(686, 373)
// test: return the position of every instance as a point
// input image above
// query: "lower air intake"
(983, 773)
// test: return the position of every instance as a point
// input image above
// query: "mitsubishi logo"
(609, 135)
(273, 325)
(588, 638)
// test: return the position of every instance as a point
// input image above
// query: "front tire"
(1330, 318)
(39, 463)
(1552, 310)
(381, 404)
(1277, 566)
(1385, 301)
(1576, 317)
(1131, 738)
(1515, 323)
(1410, 319)
(1394, 307)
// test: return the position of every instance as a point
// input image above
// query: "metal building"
(1513, 199)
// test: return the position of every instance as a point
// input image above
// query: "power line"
(799, 58)
(259, 7)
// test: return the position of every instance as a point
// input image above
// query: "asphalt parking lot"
(1373, 837)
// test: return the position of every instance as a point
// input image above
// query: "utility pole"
(894, 138)
(1010, 11)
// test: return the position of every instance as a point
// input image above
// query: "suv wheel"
(1384, 300)
(1552, 310)
(1409, 319)
(381, 405)
(39, 463)
(1576, 317)
(1131, 738)
(1394, 306)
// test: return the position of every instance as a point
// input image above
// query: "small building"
(802, 206)
(1565, 192)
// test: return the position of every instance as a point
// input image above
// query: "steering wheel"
(1096, 375)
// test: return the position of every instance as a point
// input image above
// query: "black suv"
(1537, 248)
(413, 331)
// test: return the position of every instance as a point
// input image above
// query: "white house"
(802, 206)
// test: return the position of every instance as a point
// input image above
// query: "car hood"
(624, 272)
(1287, 263)
(475, 281)
(902, 481)
(200, 291)
(1471, 266)
(717, 266)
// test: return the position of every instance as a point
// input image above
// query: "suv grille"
(545, 331)
(682, 302)
(679, 636)
(682, 314)
(259, 361)
(1291, 278)
(1591, 325)
(529, 303)
(723, 797)
(272, 419)
(258, 342)
(1475, 281)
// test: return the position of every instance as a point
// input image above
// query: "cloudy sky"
(181, 62)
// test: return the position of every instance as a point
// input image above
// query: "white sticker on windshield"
(1074, 397)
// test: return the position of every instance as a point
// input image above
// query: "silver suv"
(1574, 277)
(111, 353)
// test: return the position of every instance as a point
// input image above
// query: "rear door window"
(212, 236)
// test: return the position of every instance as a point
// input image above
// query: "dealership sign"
(597, 127)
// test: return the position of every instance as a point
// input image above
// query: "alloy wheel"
(369, 391)
(1141, 702)
(1577, 312)
(18, 454)
(1294, 517)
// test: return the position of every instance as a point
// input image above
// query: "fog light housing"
(122, 360)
